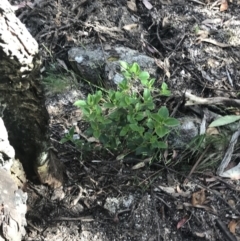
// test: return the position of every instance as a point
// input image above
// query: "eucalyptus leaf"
(225, 120)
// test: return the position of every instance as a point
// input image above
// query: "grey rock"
(188, 129)
(113, 205)
(101, 65)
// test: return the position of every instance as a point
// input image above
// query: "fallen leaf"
(212, 131)
(164, 66)
(138, 165)
(129, 27)
(62, 63)
(231, 203)
(232, 226)
(198, 198)
(224, 5)
(132, 5)
(173, 192)
(147, 4)
(233, 173)
(214, 42)
(182, 222)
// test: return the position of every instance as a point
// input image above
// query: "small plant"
(57, 79)
(124, 120)
(164, 91)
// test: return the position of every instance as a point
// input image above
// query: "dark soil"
(201, 44)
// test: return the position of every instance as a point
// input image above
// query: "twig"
(159, 39)
(195, 100)
(83, 219)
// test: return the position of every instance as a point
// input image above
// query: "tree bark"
(22, 96)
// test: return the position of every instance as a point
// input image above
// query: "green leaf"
(124, 131)
(225, 120)
(108, 105)
(124, 65)
(146, 94)
(171, 122)
(163, 112)
(80, 103)
(136, 128)
(144, 76)
(144, 82)
(126, 75)
(135, 68)
(71, 131)
(90, 100)
(96, 133)
(86, 111)
(151, 82)
(164, 86)
(123, 85)
(159, 144)
(150, 123)
(131, 119)
(142, 150)
(63, 140)
(162, 131)
(153, 139)
(118, 95)
(147, 136)
(150, 105)
(162, 145)
(138, 106)
(98, 97)
(158, 119)
(164, 90)
(139, 116)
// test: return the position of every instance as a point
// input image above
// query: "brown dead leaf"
(224, 5)
(232, 226)
(231, 203)
(198, 198)
(212, 131)
(164, 66)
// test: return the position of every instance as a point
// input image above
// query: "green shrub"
(125, 120)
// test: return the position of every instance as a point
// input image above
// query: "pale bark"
(25, 115)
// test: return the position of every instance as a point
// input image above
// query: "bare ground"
(201, 44)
